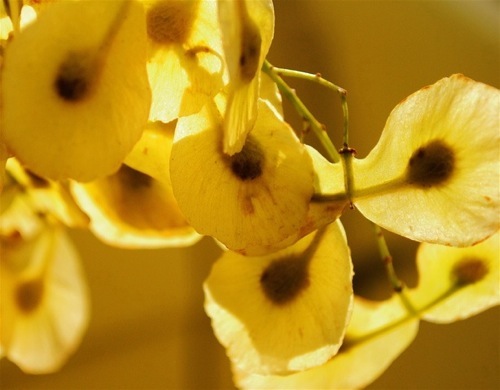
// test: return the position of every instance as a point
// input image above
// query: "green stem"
(317, 78)
(356, 193)
(397, 284)
(317, 127)
(347, 154)
(352, 341)
(343, 99)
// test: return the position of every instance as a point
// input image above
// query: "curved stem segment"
(397, 284)
(317, 78)
(417, 313)
(289, 93)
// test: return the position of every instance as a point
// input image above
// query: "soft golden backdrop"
(148, 328)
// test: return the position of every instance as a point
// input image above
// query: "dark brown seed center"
(284, 279)
(431, 165)
(74, 77)
(248, 163)
(29, 295)
(469, 270)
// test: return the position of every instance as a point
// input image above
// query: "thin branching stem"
(317, 78)
(289, 93)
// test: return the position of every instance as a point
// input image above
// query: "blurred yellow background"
(148, 328)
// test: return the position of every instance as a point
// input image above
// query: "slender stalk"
(317, 78)
(316, 126)
(396, 283)
(345, 111)
(308, 76)
(417, 313)
(347, 154)
(357, 193)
